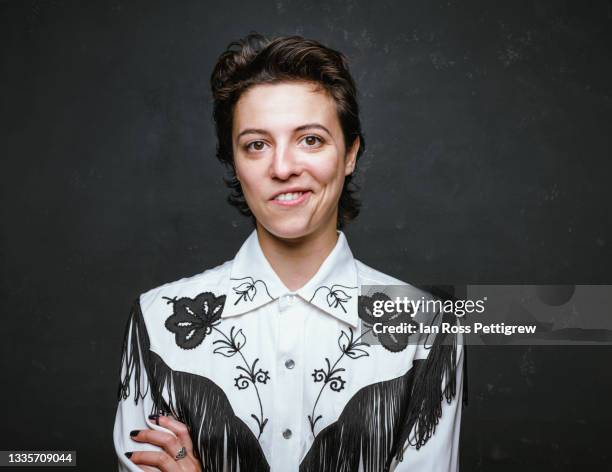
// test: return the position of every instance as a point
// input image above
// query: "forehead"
(285, 105)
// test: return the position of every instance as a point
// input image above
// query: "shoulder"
(210, 280)
(367, 275)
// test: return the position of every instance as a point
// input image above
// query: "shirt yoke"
(217, 276)
(370, 276)
(212, 277)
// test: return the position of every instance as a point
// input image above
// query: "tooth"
(284, 197)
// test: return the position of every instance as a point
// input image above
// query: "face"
(290, 157)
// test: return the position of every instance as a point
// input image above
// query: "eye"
(256, 146)
(312, 141)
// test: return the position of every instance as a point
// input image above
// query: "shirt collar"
(253, 283)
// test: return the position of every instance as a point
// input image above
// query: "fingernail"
(134, 433)
(128, 454)
(154, 418)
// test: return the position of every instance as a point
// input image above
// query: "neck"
(297, 260)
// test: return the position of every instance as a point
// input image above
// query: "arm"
(135, 403)
(441, 452)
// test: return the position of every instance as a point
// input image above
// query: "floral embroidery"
(336, 383)
(335, 297)
(390, 341)
(350, 347)
(248, 290)
(261, 376)
(231, 345)
(194, 318)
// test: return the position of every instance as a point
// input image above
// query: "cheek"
(253, 182)
(328, 171)
(249, 185)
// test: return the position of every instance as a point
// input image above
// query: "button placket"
(289, 385)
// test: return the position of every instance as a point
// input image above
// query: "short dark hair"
(257, 60)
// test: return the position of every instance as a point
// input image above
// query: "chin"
(288, 229)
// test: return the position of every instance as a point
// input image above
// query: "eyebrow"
(299, 128)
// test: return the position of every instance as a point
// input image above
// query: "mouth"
(291, 198)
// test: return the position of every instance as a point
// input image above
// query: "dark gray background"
(488, 130)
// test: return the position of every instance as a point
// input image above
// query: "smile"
(291, 199)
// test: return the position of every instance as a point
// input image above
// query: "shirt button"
(287, 433)
(289, 364)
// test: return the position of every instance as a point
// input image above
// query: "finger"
(161, 460)
(167, 441)
(149, 468)
(180, 429)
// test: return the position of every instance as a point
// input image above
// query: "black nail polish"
(128, 454)
(154, 418)
(134, 433)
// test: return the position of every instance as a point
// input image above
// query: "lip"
(305, 196)
(290, 190)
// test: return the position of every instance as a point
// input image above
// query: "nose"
(285, 163)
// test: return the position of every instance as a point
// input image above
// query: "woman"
(261, 362)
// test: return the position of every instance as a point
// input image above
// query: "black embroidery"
(368, 428)
(426, 408)
(350, 347)
(394, 342)
(335, 297)
(336, 383)
(374, 426)
(382, 419)
(248, 290)
(218, 435)
(232, 345)
(194, 318)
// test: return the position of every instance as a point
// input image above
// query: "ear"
(351, 157)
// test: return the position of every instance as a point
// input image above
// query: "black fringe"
(425, 408)
(192, 399)
(368, 427)
(380, 419)
(375, 424)
(131, 357)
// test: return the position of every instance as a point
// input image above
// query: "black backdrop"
(488, 132)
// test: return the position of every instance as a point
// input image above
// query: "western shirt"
(267, 378)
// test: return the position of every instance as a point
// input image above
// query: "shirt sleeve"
(134, 396)
(441, 452)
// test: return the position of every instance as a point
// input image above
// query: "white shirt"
(272, 379)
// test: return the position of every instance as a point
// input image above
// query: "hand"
(165, 460)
